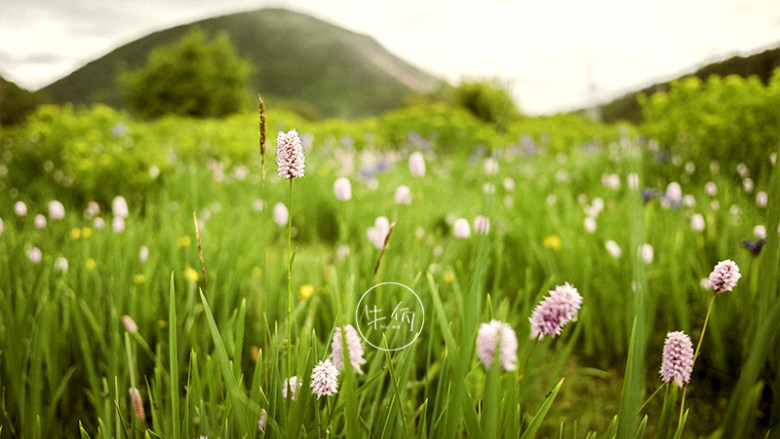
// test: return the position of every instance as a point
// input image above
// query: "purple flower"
(488, 338)
(417, 164)
(324, 379)
(677, 362)
(289, 155)
(555, 311)
(724, 276)
(354, 347)
(261, 420)
(461, 229)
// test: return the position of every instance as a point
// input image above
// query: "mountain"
(761, 64)
(297, 60)
(16, 102)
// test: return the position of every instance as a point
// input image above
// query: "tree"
(190, 77)
(487, 100)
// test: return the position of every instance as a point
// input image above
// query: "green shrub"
(731, 120)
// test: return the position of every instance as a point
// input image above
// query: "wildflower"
(183, 241)
(306, 291)
(553, 242)
(673, 194)
(343, 189)
(191, 274)
(324, 379)
(99, 222)
(354, 347)
(482, 225)
(724, 276)
(489, 188)
(90, 264)
(139, 278)
(119, 207)
(705, 284)
(761, 199)
(488, 338)
(138, 405)
(710, 189)
(611, 181)
(129, 324)
(461, 228)
(613, 248)
(261, 421)
(342, 252)
(697, 222)
(759, 231)
(93, 209)
(258, 205)
(143, 253)
(491, 166)
(1, 226)
(417, 164)
(690, 167)
(689, 200)
(61, 264)
(646, 253)
(281, 215)
(118, 224)
(754, 246)
(590, 224)
(677, 363)
(39, 221)
(403, 195)
(289, 155)
(633, 181)
(509, 184)
(747, 184)
(742, 169)
(293, 385)
(75, 233)
(378, 232)
(555, 311)
(56, 210)
(86, 232)
(35, 255)
(20, 209)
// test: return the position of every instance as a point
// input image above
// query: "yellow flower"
(448, 277)
(139, 278)
(75, 233)
(552, 242)
(257, 271)
(183, 241)
(191, 274)
(86, 232)
(90, 264)
(306, 291)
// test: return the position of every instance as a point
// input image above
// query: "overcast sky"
(554, 55)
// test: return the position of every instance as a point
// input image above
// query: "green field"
(214, 340)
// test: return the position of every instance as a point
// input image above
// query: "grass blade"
(536, 422)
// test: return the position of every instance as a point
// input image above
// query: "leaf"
(536, 422)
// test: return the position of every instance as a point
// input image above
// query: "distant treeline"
(761, 65)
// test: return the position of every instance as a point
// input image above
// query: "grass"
(208, 358)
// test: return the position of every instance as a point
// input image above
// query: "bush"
(731, 120)
(190, 77)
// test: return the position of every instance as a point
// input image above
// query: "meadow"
(152, 286)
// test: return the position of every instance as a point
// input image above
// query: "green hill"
(760, 64)
(297, 61)
(16, 102)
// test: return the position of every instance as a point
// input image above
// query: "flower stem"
(696, 353)
(289, 283)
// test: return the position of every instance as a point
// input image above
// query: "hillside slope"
(296, 59)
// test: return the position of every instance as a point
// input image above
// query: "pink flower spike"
(417, 164)
(324, 379)
(677, 363)
(293, 385)
(488, 338)
(555, 311)
(289, 155)
(354, 347)
(724, 276)
(138, 404)
(129, 324)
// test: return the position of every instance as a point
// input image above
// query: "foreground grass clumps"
(509, 289)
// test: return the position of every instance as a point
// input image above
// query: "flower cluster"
(492, 335)
(289, 155)
(354, 349)
(555, 311)
(677, 363)
(724, 276)
(324, 379)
